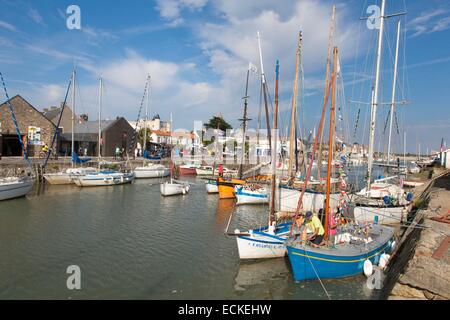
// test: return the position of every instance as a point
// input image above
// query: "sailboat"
(244, 192)
(15, 187)
(312, 199)
(358, 246)
(382, 201)
(173, 187)
(67, 176)
(268, 241)
(102, 177)
(151, 170)
(248, 193)
(251, 193)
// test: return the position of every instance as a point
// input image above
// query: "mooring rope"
(320, 280)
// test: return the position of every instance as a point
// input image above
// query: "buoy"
(368, 268)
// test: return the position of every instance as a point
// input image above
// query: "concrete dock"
(420, 268)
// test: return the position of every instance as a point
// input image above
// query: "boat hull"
(261, 245)
(15, 189)
(67, 177)
(312, 201)
(329, 266)
(244, 196)
(385, 215)
(58, 178)
(226, 187)
(172, 189)
(144, 173)
(342, 261)
(211, 187)
(185, 171)
(204, 172)
(98, 180)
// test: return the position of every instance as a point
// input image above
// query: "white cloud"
(231, 45)
(171, 9)
(36, 16)
(429, 22)
(7, 26)
(169, 91)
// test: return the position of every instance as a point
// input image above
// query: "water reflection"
(225, 208)
(252, 273)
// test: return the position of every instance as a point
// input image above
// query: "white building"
(445, 158)
(152, 124)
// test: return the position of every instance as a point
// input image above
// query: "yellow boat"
(226, 187)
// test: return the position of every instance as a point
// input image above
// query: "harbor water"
(131, 243)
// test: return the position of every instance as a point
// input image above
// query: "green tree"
(218, 122)
(141, 137)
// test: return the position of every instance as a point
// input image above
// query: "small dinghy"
(173, 187)
(211, 186)
(251, 194)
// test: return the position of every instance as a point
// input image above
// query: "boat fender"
(368, 268)
(184, 190)
(237, 231)
(409, 196)
(384, 258)
(393, 245)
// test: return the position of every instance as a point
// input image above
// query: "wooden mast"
(327, 82)
(274, 150)
(147, 88)
(330, 142)
(293, 136)
(264, 88)
(244, 121)
(316, 141)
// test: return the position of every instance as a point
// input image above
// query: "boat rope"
(396, 122)
(229, 219)
(320, 280)
(58, 124)
(133, 137)
(356, 124)
(402, 224)
(13, 116)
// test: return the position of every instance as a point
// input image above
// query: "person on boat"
(220, 170)
(117, 153)
(332, 226)
(313, 223)
(45, 148)
(297, 229)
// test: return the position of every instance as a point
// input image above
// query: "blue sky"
(197, 52)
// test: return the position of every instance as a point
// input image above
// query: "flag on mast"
(252, 67)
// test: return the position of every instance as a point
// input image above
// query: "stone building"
(53, 114)
(114, 133)
(35, 129)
